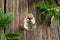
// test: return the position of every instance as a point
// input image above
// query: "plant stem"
(57, 8)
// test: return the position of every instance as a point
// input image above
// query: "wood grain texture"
(2, 4)
(32, 9)
(23, 11)
(42, 32)
(21, 8)
(10, 7)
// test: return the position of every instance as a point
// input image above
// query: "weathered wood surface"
(21, 8)
(2, 4)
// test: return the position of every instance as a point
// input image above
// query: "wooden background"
(21, 8)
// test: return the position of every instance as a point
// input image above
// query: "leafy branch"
(5, 20)
(45, 7)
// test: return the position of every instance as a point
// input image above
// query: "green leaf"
(6, 19)
(1, 12)
(3, 37)
(56, 14)
(42, 18)
(48, 3)
(58, 2)
(13, 36)
(42, 7)
(43, 15)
